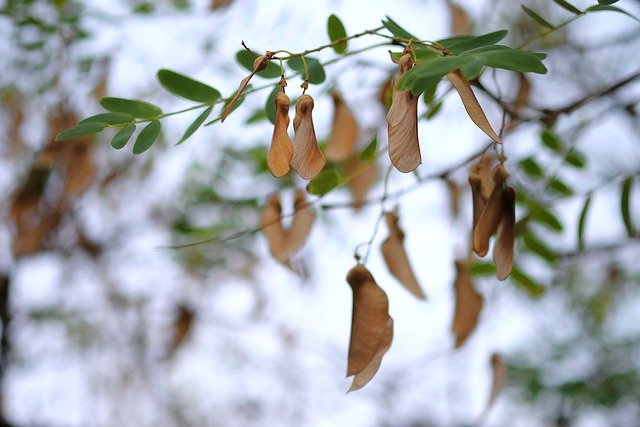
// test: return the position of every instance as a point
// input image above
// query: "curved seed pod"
(361, 182)
(471, 104)
(396, 257)
(344, 131)
(307, 159)
(301, 225)
(482, 170)
(271, 227)
(259, 64)
(468, 305)
(478, 201)
(363, 377)
(281, 149)
(402, 120)
(491, 215)
(369, 319)
(499, 376)
(503, 249)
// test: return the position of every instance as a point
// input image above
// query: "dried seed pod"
(301, 225)
(491, 215)
(363, 377)
(396, 257)
(181, 327)
(499, 377)
(402, 120)
(344, 131)
(471, 104)
(478, 200)
(454, 197)
(369, 320)
(307, 158)
(281, 149)
(361, 182)
(468, 304)
(482, 170)
(271, 227)
(503, 249)
(460, 23)
(259, 64)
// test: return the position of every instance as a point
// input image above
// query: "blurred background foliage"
(102, 325)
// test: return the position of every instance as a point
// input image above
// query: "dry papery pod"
(471, 104)
(396, 257)
(482, 170)
(503, 248)
(283, 243)
(307, 159)
(491, 214)
(467, 306)
(363, 175)
(281, 148)
(259, 64)
(371, 327)
(402, 120)
(344, 130)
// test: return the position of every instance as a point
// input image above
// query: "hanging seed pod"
(402, 120)
(503, 249)
(271, 227)
(363, 174)
(307, 158)
(491, 215)
(370, 326)
(281, 149)
(478, 200)
(259, 64)
(363, 377)
(468, 305)
(301, 224)
(344, 131)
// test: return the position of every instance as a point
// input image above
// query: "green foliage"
(121, 138)
(110, 118)
(582, 220)
(314, 67)
(527, 283)
(536, 17)
(551, 140)
(560, 187)
(187, 88)
(568, 6)
(326, 181)
(460, 44)
(336, 31)
(625, 206)
(82, 129)
(147, 137)
(530, 167)
(369, 153)
(246, 59)
(133, 107)
(397, 30)
(195, 125)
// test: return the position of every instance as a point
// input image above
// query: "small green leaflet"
(397, 30)
(235, 107)
(134, 107)
(546, 218)
(121, 138)
(369, 153)
(246, 58)
(482, 269)
(568, 6)
(551, 140)
(326, 181)
(527, 283)
(147, 137)
(186, 87)
(81, 129)
(461, 44)
(582, 221)
(531, 168)
(625, 206)
(607, 2)
(423, 75)
(536, 17)
(110, 118)
(433, 110)
(539, 248)
(195, 125)
(604, 7)
(575, 159)
(316, 70)
(270, 106)
(560, 187)
(336, 31)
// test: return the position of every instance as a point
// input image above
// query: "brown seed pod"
(281, 149)
(402, 120)
(344, 130)
(468, 305)
(503, 248)
(491, 215)
(259, 64)
(307, 158)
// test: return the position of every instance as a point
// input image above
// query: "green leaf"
(147, 137)
(246, 59)
(582, 221)
(498, 56)
(110, 118)
(461, 44)
(336, 31)
(270, 106)
(539, 248)
(81, 129)
(526, 282)
(430, 93)
(195, 125)
(134, 107)
(397, 30)
(539, 19)
(551, 140)
(482, 269)
(369, 153)
(625, 206)
(316, 70)
(560, 187)
(606, 8)
(121, 138)
(186, 87)
(531, 168)
(326, 181)
(473, 70)
(425, 74)
(435, 109)
(544, 217)
(575, 159)
(568, 6)
(607, 2)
